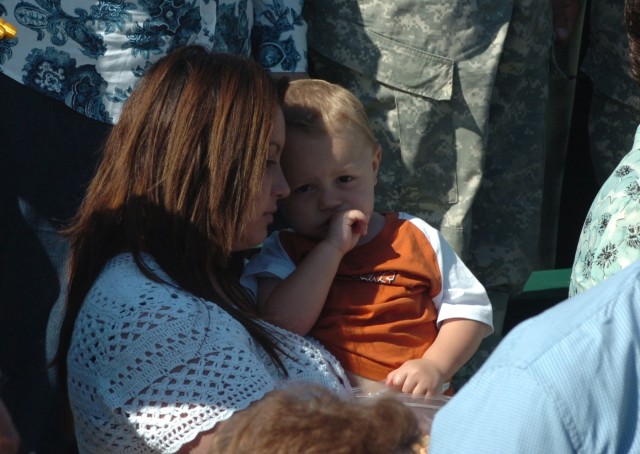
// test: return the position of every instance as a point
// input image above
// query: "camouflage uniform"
(456, 93)
(615, 105)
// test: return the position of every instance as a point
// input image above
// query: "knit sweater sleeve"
(151, 367)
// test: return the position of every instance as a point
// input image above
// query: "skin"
(565, 17)
(329, 176)
(9, 439)
(332, 180)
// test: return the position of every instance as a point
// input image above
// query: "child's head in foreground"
(331, 157)
(312, 419)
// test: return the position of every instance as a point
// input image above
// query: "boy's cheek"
(286, 210)
(289, 206)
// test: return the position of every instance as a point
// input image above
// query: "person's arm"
(457, 341)
(565, 17)
(295, 302)
(506, 408)
(464, 319)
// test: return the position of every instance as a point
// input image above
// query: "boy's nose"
(329, 201)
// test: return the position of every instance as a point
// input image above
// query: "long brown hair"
(179, 174)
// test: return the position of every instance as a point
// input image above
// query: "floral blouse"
(90, 53)
(610, 238)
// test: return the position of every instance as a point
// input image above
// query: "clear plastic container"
(424, 408)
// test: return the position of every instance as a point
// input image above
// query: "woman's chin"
(250, 242)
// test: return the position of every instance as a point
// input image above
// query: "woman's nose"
(280, 187)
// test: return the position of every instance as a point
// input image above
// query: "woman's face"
(274, 187)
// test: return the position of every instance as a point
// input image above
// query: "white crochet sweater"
(151, 366)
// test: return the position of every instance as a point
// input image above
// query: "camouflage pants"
(456, 93)
(612, 126)
(615, 105)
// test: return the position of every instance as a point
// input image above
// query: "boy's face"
(327, 174)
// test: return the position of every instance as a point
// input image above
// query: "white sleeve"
(462, 295)
(158, 367)
(199, 387)
(271, 261)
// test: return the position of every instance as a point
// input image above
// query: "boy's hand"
(565, 18)
(419, 377)
(346, 229)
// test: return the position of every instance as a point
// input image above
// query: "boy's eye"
(345, 179)
(302, 189)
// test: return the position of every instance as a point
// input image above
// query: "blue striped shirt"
(562, 382)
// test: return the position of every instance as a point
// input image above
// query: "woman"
(161, 343)
(69, 70)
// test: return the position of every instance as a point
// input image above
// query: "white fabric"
(151, 366)
(462, 294)
(90, 54)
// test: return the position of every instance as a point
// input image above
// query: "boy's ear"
(377, 156)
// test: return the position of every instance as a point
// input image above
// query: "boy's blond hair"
(317, 107)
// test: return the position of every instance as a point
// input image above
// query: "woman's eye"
(271, 162)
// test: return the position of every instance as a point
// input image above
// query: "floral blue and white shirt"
(90, 53)
(610, 238)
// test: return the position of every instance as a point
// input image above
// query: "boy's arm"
(295, 302)
(464, 319)
(457, 341)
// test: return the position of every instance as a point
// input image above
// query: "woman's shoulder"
(124, 301)
(145, 351)
(123, 289)
(129, 319)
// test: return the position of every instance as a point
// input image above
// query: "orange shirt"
(379, 312)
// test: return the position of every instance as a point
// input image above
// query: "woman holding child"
(159, 342)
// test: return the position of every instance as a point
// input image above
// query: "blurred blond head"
(313, 420)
